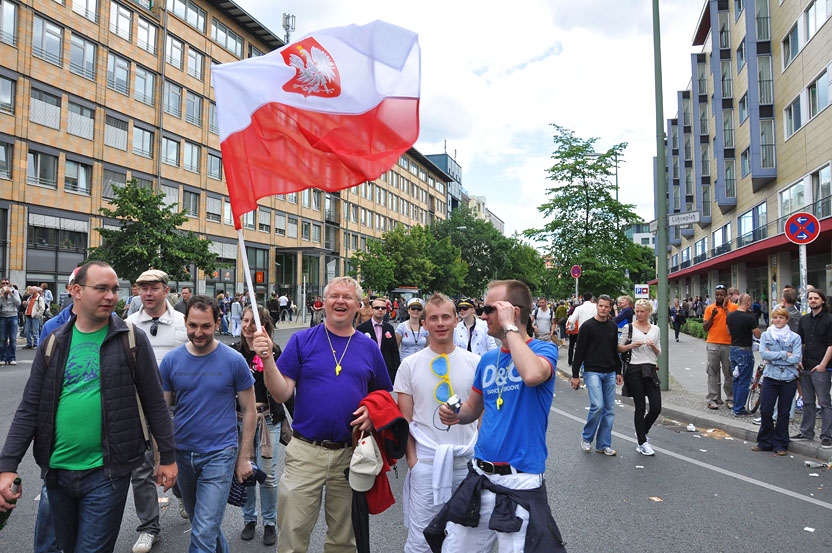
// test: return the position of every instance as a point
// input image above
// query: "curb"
(738, 429)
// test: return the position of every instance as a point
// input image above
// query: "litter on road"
(656, 499)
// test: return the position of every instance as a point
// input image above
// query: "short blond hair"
(438, 299)
(645, 304)
(628, 298)
(780, 312)
(359, 292)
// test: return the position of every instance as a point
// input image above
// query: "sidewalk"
(685, 400)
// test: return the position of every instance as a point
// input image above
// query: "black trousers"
(573, 339)
(676, 328)
(642, 387)
(771, 435)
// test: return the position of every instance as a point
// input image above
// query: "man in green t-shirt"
(91, 382)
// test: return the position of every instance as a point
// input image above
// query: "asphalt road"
(702, 492)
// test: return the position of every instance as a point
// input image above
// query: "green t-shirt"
(78, 421)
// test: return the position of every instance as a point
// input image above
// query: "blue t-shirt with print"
(206, 388)
(516, 432)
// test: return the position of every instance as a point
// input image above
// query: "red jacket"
(391, 431)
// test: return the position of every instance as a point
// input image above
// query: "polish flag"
(332, 110)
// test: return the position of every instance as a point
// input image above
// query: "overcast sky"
(495, 75)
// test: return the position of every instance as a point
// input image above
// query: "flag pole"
(247, 273)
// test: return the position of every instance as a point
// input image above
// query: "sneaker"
(645, 449)
(608, 451)
(248, 531)
(182, 512)
(12, 363)
(758, 421)
(800, 438)
(729, 404)
(742, 413)
(586, 446)
(826, 443)
(145, 542)
(269, 535)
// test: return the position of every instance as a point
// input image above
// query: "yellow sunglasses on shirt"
(441, 367)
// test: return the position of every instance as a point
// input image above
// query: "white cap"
(365, 464)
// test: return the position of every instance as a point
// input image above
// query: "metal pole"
(661, 202)
(804, 300)
(576, 289)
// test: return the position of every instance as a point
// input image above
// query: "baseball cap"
(415, 301)
(72, 277)
(365, 464)
(152, 275)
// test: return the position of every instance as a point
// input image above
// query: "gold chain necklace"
(337, 361)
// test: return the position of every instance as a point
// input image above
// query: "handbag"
(627, 355)
(285, 432)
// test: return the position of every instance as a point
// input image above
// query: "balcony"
(755, 235)
(118, 85)
(51, 57)
(47, 182)
(685, 264)
(193, 119)
(123, 32)
(8, 38)
(86, 71)
(331, 216)
(719, 250)
(84, 12)
(144, 98)
(700, 258)
(212, 127)
(728, 138)
(146, 46)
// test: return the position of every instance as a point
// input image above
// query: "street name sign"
(688, 218)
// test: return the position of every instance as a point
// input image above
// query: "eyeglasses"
(441, 367)
(379, 307)
(102, 289)
(154, 327)
(415, 308)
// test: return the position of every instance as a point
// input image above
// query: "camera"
(454, 403)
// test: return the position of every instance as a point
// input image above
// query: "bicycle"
(754, 391)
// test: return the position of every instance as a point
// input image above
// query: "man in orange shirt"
(718, 347)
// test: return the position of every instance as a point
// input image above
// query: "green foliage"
(694, 328)
(584, 221)
(149, 237)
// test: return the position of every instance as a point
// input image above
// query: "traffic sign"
(575, 271)
(642, 291)
(802, 228)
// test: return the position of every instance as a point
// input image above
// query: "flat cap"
(152, 275)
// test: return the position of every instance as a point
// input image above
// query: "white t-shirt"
(416, 379)
(543, 320)
(170, 332)
(642, 354)
(412, 342)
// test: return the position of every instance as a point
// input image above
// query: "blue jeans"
(742, 360)
(223, 325)
(32, 331)
(87, 507)
(268, 489)
(45, 541)
(8, 339)
(205, 480)
(771, 435)
(601, 388)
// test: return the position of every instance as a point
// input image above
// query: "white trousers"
(481, 538)
(420, 508)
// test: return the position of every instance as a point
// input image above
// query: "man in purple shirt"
(330, 367)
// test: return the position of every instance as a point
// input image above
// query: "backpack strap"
(129, 341)
(630, 333)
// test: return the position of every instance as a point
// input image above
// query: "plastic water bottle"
(4, 517)
(799, 403)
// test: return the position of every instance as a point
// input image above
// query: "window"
(6, 160)
(173, 99)
(118, 74)
(146, 36)
(790, 46)
(264, 220)
(316, 233)
(730, 179)
(47, 41)
(767, 143)
(688, 147)
(700, 250)
(740, 56)
(227, 217)
(728, 128)
(121, 20)
(792, 117)
(688, 181)
(705, 150)
(762, 15)
(193, 108)
(292, 228)
(745, 163)
(292, 197)
(80, 121)
(739, 5)
(173, 52)
(822, 192)
(819, 94)
(815, 16)
(792, 200)
(703, 119)
(305, 230)
(743, 108)
(727, 79)
(78, 177)
(724, 30)
(764, 80)
(190, 203)
(115, 133)
(82, 57)
(8, 22)
(45, 109)
(280, 224)
(677, 199)
(227, 38)
(170, 151)
(7, 87)
(196, 61)
(142, 142)
(42, 169)
(752, 225)
(214, 167)
(86, 8)
(706, 200)
(188, 11)
(213, 209)
(191, 161)
(213, 125)
(306, 196)
(145, 85)
(171, 194)
(721, 239)
(316, 200)
(253, 51)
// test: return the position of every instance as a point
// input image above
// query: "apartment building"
(751, 144)
(94, 93)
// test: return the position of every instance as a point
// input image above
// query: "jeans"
(601, 388)
(815, 384)
(205, 480)
(742, 360)
(87, 507)
(32, 331)
(223, 325)
(8, 339)
(45, 541)
(268, 489)
(781, 393)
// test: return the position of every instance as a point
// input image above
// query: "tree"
(584, 221)
(376, 269)
(149, 237)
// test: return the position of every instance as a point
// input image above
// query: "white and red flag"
(332, 110)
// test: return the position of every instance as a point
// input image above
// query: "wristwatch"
(510, 328)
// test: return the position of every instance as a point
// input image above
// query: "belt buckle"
(487, 466)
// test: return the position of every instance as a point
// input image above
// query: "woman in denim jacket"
(781, 349)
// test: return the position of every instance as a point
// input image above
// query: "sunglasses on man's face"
(379, 307)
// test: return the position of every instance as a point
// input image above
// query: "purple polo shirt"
(324, 402)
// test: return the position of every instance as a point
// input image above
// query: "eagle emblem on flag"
(315, 71)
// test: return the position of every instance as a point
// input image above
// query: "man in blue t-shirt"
(514, 386)
(331, 368)
(206, 376)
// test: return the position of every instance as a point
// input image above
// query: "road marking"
(713, 468)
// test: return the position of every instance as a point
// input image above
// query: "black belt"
(326, 444)
(495, 468)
